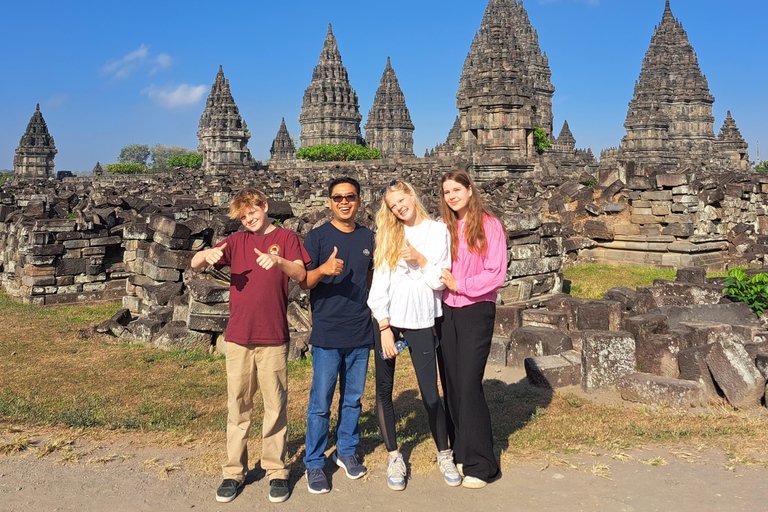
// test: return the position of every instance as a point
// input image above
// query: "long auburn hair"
(476, 210)
(390, 236)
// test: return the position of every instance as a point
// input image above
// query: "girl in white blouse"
(411, 252)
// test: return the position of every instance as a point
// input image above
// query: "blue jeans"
(350, 366)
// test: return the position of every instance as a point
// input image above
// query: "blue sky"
(109, 74)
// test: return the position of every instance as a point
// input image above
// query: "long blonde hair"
(390, 236)
(474, 232)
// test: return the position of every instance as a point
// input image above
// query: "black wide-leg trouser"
(465, 342)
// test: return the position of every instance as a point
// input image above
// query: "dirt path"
(691, 481)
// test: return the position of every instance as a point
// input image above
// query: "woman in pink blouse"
(478, 269)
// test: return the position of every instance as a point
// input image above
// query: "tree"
(540, 140)
(134, 154)
(161, 153)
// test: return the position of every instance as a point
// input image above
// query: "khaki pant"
(246, 364)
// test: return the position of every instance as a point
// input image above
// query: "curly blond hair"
(244, 200)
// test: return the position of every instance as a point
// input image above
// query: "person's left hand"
(449, 280)
(265, 260)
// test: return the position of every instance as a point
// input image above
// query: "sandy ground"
(126, 474)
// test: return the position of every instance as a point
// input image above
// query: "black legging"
(421, 343)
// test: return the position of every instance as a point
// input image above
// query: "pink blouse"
(479, 276)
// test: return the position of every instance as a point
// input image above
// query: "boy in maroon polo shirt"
(261, 258)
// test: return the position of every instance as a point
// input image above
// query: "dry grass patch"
(655, 461)
(18, 445)
(52, 446)
(601, 470)
(167, 469)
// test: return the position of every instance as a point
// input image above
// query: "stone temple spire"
(222, 134)
(389, 127)
(731, 144)
(496, 94)
(566, 138)
(283, 149)
(34, 156)
(330, 113)
(670, 115)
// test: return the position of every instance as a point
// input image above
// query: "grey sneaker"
(278, 490)
(350, 464)
(317, 482)
(396, 472)
(448, 468)
(227, 491)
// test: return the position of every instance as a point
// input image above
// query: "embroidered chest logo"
(274, 249)
(366, 253)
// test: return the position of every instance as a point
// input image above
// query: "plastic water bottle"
(399, 345)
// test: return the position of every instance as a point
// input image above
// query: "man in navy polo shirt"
(342, 333)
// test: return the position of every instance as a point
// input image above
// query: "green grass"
(593, 280)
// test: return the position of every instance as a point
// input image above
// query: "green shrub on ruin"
(127, 168)
(762, 166)
(540, 140)
(337, 153)
(753, 290)
(184, 160)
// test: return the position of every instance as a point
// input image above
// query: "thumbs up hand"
(265, 260)
(214, 254)
(333, 266)
(411, 255)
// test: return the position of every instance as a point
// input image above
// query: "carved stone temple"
(504, 93)
(34, 156)
(389, 127)
(330, 113)
(564, 154)
(283, 149)
(670, 121)
(222, 134)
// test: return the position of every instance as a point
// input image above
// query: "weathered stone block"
(168, 227)
(160, 294)
(47, 250)
(655, 390)
(535, 341)
(761, 363)
(298, 319)
(160, 274)
(499, 348)
(545, 318)
(736, 374)
(736, 313)
(207, 322)
(599, 315)
(552, 372)
(299, 345)
(206, 290)
(657, 353)
(176, 335)
(642, 326)
(703, 333)
(214, 308)
(605, 358)
(164, 258)
(70, 267)
(508, 318)
(175, 244)
(144, 329)
(694, 275)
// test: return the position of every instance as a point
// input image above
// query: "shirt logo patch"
(366, 253)
(274, 249)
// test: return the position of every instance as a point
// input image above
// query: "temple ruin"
(222, 134)
(389, 127)
(330, 113)
(36, 150)
(283, 149)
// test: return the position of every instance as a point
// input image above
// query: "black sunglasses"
(391, 184)
(351, 198)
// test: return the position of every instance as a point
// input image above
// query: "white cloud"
(178, 96)
(162, 61)
(137, 60)
(56, 99)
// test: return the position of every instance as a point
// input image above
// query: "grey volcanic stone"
(657, 354)
(499, 348)
(545, 318)
(508, 318)
(733, 313)
(605, 358)
(144, 329)
(693, 366)
(642, 326)
(656, 390)
(206, 290)
(552, 371)
(599, 315)
(736, 374)
(176, 335)
(532, 341)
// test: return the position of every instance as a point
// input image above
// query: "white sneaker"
(448, 468)
(472, 482)
(396, 472)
